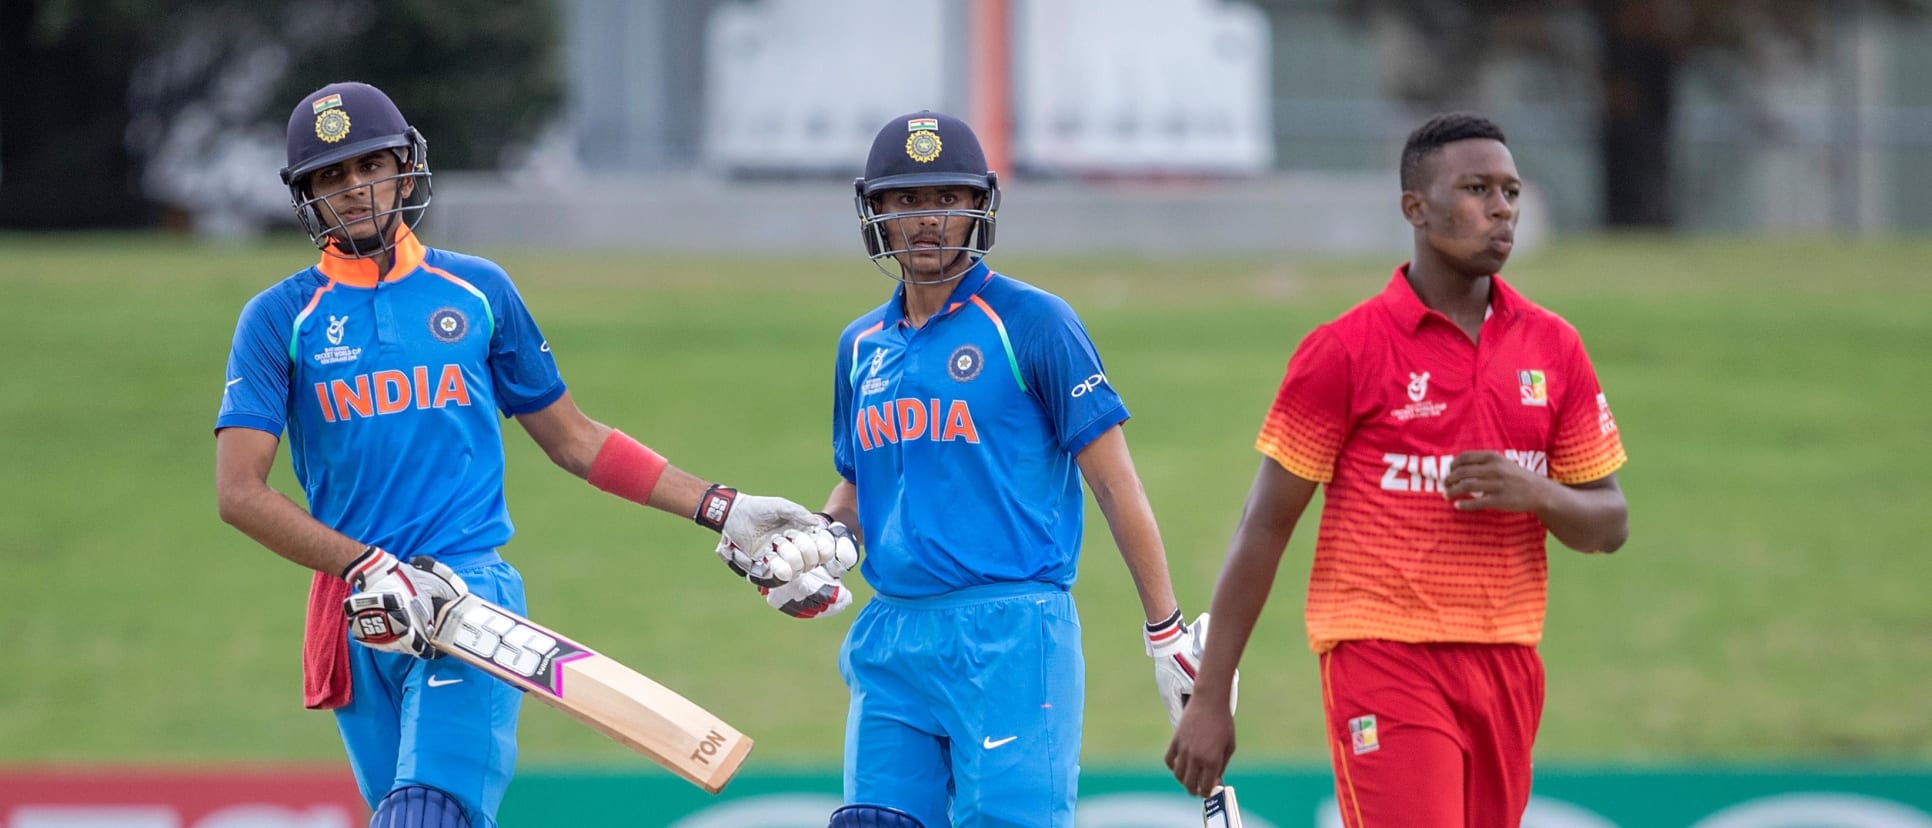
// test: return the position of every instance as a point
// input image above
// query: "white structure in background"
(801, 86)
(1100, 86)
(1139, 86)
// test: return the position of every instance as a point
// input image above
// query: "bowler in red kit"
(1455, 425)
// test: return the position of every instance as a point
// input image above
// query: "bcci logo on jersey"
(965, 363)
(448, 324)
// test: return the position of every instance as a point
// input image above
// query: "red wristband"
(626, 468)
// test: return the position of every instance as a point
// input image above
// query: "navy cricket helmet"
(342, 122)
(925, 149)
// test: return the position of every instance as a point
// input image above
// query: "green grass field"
(1771, 603)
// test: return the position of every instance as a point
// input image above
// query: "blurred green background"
(1770, 604)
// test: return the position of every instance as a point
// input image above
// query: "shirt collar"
(1409, 311)
(975, 278)
(363, 273)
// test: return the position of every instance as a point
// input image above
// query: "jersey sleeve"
(521, 367)
(259, 366)
(1309, 420)
(1586, 447)
(843, 460)
(1063, 371)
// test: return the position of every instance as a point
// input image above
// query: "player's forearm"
(1274, 506)
(1131, 520)
(276, 522)
(1109, 470)
(1138, 537)
(1592, 519)
(678, 492)
(1247, 577)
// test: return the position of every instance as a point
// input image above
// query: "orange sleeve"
(1309, 419)
(1587, 446)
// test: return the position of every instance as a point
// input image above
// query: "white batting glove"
(788, 554)
(1176, 649)
(758, 527)
(843, 554)
(815, 593)
(395, 606)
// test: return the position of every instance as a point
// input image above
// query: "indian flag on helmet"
(327, 103)
(917, 124)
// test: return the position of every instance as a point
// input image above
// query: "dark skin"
(1464, 226)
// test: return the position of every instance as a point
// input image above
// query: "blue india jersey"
(389, 390)
(961, 436)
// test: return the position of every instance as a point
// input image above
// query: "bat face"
(594, 689)
(1220, 810)
(519, 651)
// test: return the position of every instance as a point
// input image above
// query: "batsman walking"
(387, 362)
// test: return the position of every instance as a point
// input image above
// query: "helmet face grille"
(886, 237)
(388, 222)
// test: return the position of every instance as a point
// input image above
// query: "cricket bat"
(1220, 810)
(594, 689)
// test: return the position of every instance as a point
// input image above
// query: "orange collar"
(363, 273)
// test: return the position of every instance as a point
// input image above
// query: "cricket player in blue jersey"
(387, 363)
(967, 409)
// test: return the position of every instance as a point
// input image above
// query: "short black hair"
(1440, 130)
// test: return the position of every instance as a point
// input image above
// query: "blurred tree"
(109, 108)
(60, 158)
(1636, 49)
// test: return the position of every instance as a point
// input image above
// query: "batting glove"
(395, 606)
(815, 593)
(843, 554)
(1176, 649)
(780, 532)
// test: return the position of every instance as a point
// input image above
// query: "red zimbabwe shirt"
(1375, 405)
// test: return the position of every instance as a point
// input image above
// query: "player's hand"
(1487, 480)
(1176, 648)
(1203, 743)
(815, 593)
(843, 554)
(786, 556)
(395, 606)
(769, 529)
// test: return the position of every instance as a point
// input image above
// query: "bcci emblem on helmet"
(331, 121)
(923, 144)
